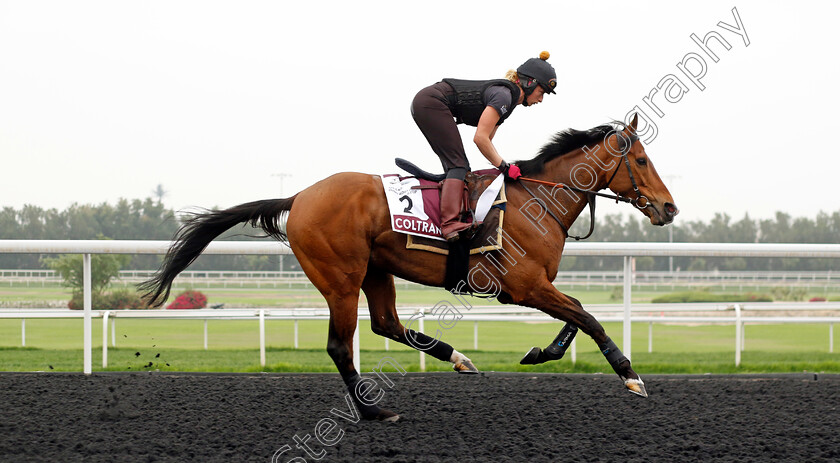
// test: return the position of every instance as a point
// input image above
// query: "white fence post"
(296, 334)
(628, 277)
(105, 339)
(574, 350)
(475, 336)
(88, 303)
(262, 337)
(738, 334)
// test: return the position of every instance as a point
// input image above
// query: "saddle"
(487, 226)
(476, 183)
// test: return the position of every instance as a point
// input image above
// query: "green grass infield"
(233, 346)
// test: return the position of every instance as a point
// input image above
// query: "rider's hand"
(511, 171)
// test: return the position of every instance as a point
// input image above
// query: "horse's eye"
(641, 161)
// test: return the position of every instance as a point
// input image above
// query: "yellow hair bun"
(544, 55)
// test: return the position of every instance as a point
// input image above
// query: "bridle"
(641, 202)
(639, 196)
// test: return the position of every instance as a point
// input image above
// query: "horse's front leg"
(566, 308)
(555, 350)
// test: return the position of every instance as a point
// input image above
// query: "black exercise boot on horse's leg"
(547, 298)
(451, 200)
(621, 365)
(555, 350)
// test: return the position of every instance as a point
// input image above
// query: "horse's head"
(636, 178)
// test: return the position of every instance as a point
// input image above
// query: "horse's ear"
(634, 122)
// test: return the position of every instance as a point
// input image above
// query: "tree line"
(137, 219)
(149, 219)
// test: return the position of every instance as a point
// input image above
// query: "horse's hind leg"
(338, 278)
(343, 316)
(384, 321)
(340, 348)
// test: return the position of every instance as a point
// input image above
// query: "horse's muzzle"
(664, 214)
(670, 211)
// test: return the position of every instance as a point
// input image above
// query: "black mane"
(564, 142)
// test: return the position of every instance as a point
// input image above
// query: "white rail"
(626, 250)
(576, 277)
(572, 248)
(717, 313)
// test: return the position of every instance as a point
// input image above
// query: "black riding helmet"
(537, 71)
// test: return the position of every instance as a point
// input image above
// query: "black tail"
(200, 229)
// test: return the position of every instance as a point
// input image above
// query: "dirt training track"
(444, 418)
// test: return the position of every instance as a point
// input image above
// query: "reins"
(590, 198)
(591, 195)
(624, 199)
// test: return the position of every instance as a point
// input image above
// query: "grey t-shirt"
(500, 99)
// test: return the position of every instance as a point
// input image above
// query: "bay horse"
(340, 231)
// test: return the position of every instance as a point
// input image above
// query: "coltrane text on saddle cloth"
(408, 209)
(417, 211)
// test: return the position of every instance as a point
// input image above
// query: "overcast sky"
(228, 102)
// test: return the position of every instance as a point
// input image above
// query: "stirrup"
(456, 235)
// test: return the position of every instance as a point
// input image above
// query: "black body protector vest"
(468, 101)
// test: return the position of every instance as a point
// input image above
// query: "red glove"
(510, 171)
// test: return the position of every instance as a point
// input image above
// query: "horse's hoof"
(466, 367)
(387, 416)
(532, 357)
(636, 386)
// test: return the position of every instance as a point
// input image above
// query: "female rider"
(484, 104)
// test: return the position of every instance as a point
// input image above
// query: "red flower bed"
(189, 300)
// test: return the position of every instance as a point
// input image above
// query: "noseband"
(640, 201)
(639, 196)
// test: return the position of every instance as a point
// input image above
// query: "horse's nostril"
(671, 209)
